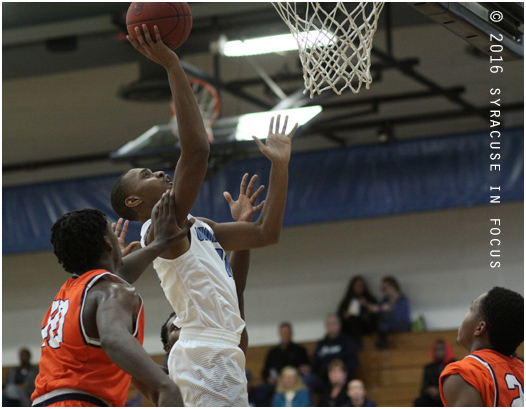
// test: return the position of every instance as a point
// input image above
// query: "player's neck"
(479, 344)
(106, 262)
(144, 215)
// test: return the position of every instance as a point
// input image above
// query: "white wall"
(441, 258)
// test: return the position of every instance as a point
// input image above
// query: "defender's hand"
(164, 222)
(120, 231)
(243, 208)
(278, 145)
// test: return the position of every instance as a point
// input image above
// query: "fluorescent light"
(257, 124)
(277, 43)
(140, 142)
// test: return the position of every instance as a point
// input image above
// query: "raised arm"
(168, 233)
(116, 307)
(266, 230)
(242, 210)
(193, 163)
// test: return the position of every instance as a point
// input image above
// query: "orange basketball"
(173, 19)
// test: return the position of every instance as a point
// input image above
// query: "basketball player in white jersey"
(208, 365)
(243, 210)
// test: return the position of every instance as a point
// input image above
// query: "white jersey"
(199, 284)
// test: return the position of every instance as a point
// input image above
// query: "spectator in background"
(356, 319)
(357, 395)
(393, 311)
(335, 345)
(250, 386)
(290, 390)
(20, 382)
(286, 353)
(441, 354)
(336, 394)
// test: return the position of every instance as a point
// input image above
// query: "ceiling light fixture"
(273, 44)
(252, 124)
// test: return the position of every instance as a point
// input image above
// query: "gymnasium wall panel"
(441, 259)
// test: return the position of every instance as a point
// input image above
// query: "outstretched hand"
(164, 222)
(120, 231)
(156, 50)
(243, 208)
(277, 146)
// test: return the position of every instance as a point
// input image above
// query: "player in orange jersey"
(490, 375)
(93, 331)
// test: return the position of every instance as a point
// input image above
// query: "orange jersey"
(499, 379)
(70, 360)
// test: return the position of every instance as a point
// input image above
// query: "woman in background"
(393, 311)
(356, 318)
(290, 391)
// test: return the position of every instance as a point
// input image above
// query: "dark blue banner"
(339, 184)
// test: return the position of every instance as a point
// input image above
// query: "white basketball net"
(335, 45)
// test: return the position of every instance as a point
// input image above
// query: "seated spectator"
(356, 319)
(286, 353)
(357, 395)
(336, 395)
(290, 390)
(20, 382)
(393, 311)
(441, 354)
(335, 345)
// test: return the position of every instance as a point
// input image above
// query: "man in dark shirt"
(284, 354)
(20, 382)
(335, 345)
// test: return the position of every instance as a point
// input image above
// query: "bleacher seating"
(392, 377)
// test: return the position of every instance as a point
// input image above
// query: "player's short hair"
(503, 312)
(119, 194)
(78, 239)
(165, 330)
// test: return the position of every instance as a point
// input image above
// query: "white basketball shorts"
(209, 368)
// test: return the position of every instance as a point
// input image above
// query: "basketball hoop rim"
(211, 89)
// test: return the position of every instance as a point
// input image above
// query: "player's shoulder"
(469, 364)
(110, 284)
(204, 220)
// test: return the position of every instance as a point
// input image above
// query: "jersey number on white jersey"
(205, 234)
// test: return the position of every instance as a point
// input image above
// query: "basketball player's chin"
(458, 337)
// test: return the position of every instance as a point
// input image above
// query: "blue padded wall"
(339, 184)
